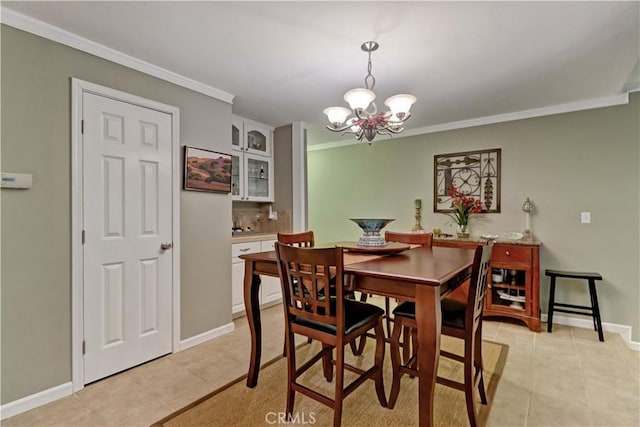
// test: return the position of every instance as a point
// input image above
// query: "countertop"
(478, 239)
(252, 237)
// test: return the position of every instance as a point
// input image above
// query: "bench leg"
(552, 295)
(596, 308)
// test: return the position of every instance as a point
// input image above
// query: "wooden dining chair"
(304, 239)
(460, 320)
(335, 322)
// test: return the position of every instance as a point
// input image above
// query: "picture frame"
(475, 173)
(206, 170)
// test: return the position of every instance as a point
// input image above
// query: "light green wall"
(36, 223)
(566, 164)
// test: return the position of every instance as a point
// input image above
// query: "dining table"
(421, 274)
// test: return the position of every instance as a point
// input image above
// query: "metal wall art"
(476, 173)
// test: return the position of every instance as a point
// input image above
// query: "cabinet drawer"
(268, 245)
(511, 253)
(238, 249)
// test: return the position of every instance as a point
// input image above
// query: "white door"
(127, 265)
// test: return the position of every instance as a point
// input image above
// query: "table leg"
(252, 308)
(428, 318)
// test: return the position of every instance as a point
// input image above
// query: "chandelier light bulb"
(337, 115)
(359, 98)
(354, 127)
(400, 104)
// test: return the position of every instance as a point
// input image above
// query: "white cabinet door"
(258, 172)
(257, 138)
(251, 161)
(237, 273)
(271, 290)
(237, 134)
(237, 175)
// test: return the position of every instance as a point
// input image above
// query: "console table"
(513, 287)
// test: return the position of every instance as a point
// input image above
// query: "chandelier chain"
(369, 76)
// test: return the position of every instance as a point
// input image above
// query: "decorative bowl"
(371, 228)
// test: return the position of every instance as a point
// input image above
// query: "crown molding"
(631, 87)
(42, 29)
(588, 104)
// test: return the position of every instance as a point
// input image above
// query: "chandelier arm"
(340, 129)
(388, 131)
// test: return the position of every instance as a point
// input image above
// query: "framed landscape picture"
(206, 170)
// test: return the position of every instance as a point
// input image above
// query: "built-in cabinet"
(251, 161)
(513, 286)
(270, 291)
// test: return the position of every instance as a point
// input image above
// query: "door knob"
(166, 245)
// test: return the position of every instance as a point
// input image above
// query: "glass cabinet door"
(508, 289)
(257, 139)
(237, 135)
(259, 180)
(237, 187)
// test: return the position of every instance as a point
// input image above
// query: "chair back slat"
(478, 286)
(304, 239)
(306, 275)
(424, 239)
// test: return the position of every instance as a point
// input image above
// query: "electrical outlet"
(585, 217)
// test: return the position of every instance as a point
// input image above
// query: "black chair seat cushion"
(356, 315)
(452, 312)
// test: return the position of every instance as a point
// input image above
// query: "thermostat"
(15, 180)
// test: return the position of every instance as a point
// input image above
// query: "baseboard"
(34, 400)
(206, 336)
(623, 330)
(42, 398)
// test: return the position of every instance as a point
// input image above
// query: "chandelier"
(367, 123)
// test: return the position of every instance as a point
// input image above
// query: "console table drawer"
(511, 253)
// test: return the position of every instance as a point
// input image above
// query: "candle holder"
(418, 209)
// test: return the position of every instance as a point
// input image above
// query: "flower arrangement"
(463, 206)
(379, 120)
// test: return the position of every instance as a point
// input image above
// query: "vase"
(463, 231)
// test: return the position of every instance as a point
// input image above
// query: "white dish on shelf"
(513, 235)
(506, 296)
(489, 236)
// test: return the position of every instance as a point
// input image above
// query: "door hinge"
(82, 126)
(83, 236)
(84, 347)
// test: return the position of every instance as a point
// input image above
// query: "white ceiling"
(287, 61)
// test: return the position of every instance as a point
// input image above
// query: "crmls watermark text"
(295, 418)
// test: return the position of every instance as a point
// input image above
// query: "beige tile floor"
(566, 378)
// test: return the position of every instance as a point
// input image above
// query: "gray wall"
(36, 223)
(566, 164)
(282, 158)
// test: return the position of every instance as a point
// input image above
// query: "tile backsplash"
(256, 219)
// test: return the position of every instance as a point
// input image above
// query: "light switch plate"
(585, 217)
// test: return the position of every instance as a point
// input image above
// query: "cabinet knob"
(244, 250)
(507, 253)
